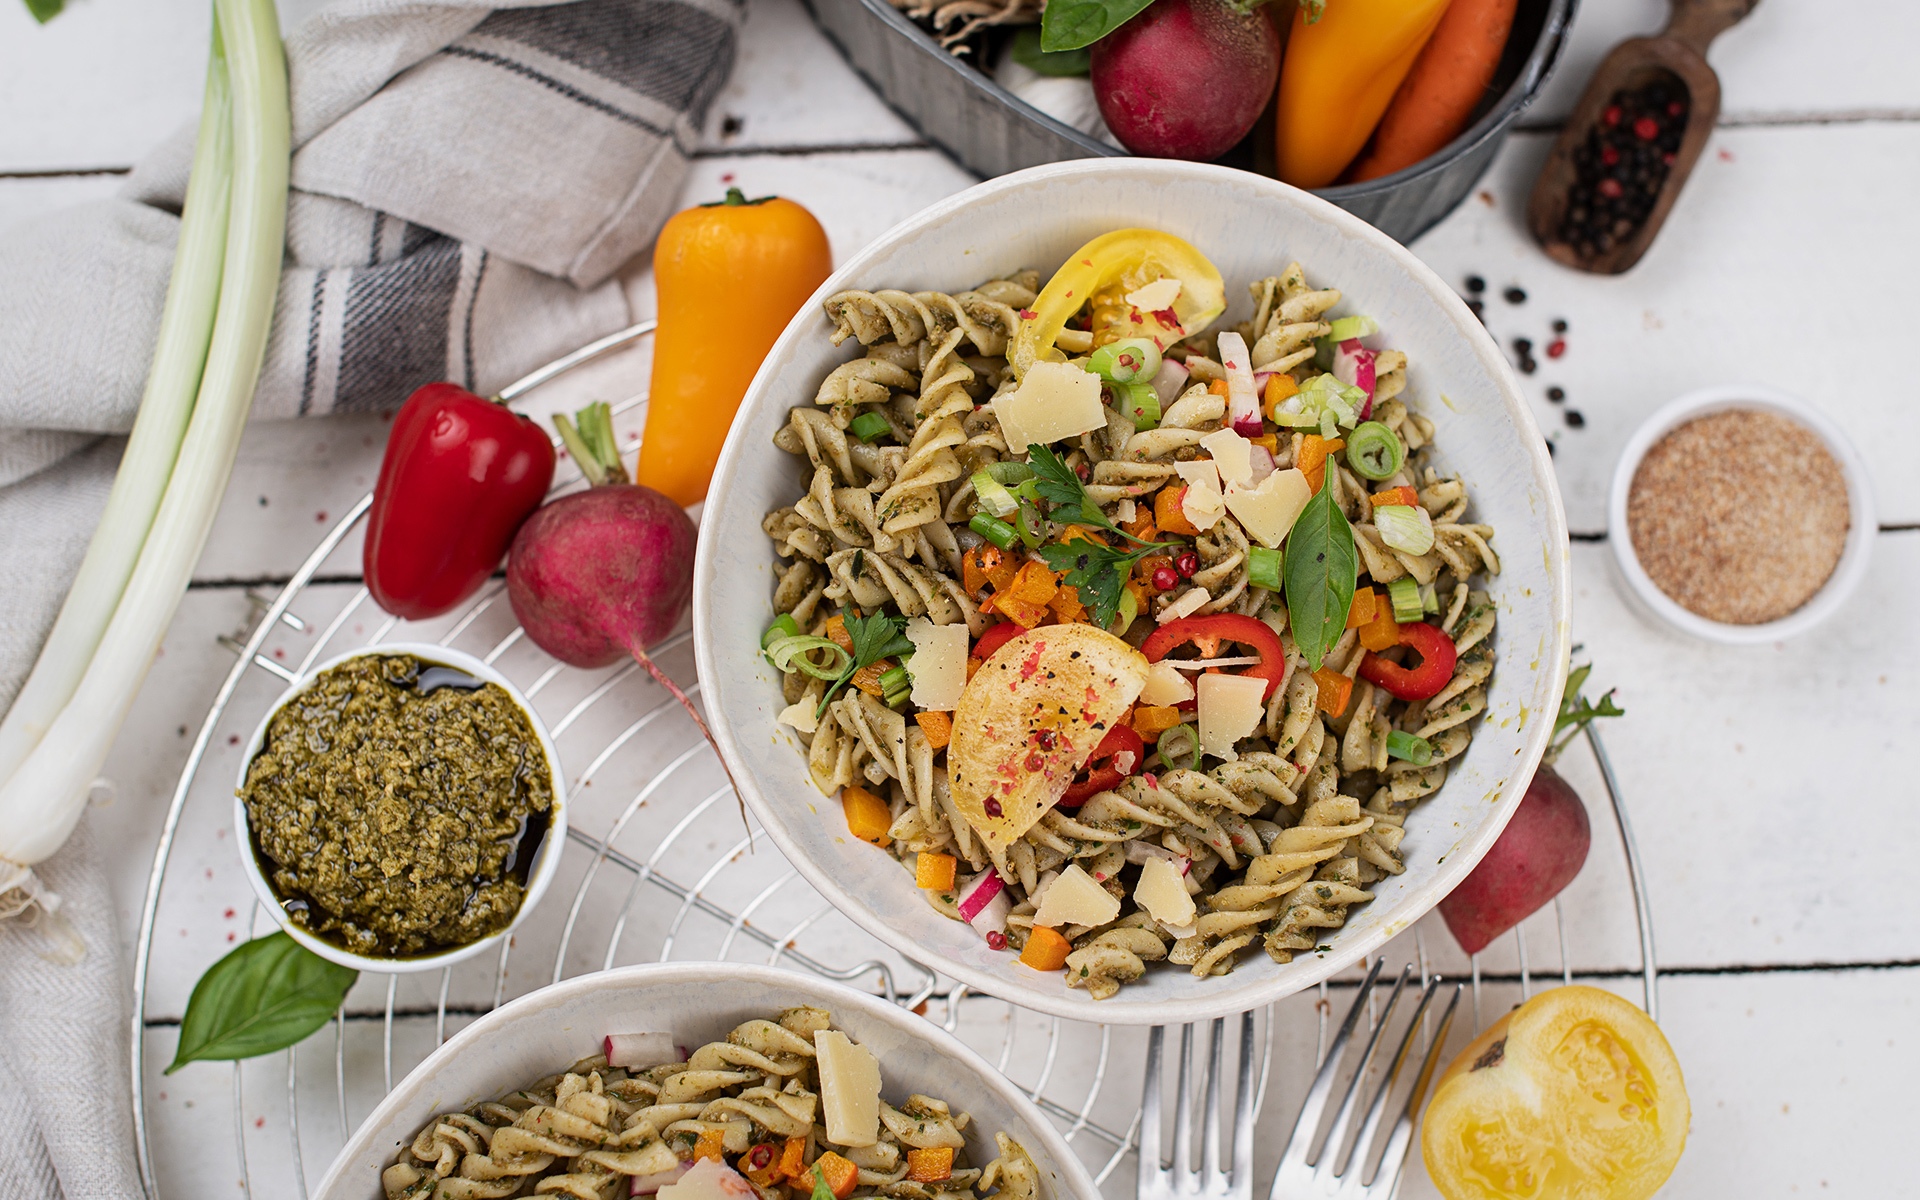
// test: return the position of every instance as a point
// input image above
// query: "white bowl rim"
(545, 866)
(1728, 397)
(833, 996)
(1354, 946)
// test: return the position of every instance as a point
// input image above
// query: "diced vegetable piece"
(761, 1164)
(868, 426)
(1312, 458)
(1169, 512)
(1169, 381)
(1408, 748)
(1382, 633)
(1345, 328)
(868, 817)
(1405, 527)
(784, 626)
(1152, 720)
(793, 1160)
(1045, 950)
(636, 1050)
(1360, 612)
(995, 637)
(1335, 690)
(1076, 899)
(979, 892)
(1263, 567)
(837, 632)
(938, 726)
(930, 1164)
(1268, 510)
(840, 1175)
(1404, 592)
(1230, 708)
(1053, 401)
(710, 1146)
(1128, 359)
(867, 678)
(1024, 600)
(993, 495)
(932, 872)
(1066, 605)
(708, 1178)
(1280, 388)
(938, 663)
(849, 1094)
(1163, 893)
(1139, 403)
(1374, 451)
(1232, 455)
(896, 685)
(994, 530)
(1394, 495)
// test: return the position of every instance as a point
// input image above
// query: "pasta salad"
(1135, 640)
(787, 1107)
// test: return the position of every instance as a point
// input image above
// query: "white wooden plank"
(1727, 293)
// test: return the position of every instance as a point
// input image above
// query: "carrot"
(1046, 950)
(1439, 95)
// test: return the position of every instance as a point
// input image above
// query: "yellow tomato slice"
(1131, 259)
(1575, 1095)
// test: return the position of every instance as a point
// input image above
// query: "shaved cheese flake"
(1156, 296)
(1202, 504)
(1076, 899)
(801, 716)
(1267, 511)
(849, 1088)
(1165, 685)
(1053, 401)
(1231, 708)
(938, 663)
(1185, 605)
(1163, 893)
(1201, 664)
(1232, 455)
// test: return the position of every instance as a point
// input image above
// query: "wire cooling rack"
(659, 866)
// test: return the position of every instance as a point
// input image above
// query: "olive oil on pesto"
(397, 805)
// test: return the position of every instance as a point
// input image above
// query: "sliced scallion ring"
(1404, 592)
(795, 654)
(1139, 403)
(1405, 527)
(1374, 451)
(868, 426)
(1126, 360)
(1182, 741)
(994, 496)
(998, 532)
(1408, 748)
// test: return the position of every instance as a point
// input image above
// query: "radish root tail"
(664, 680)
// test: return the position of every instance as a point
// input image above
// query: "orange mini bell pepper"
(930, 1164)
(710, 1144)
(793, 1162)
(934, 872)
(1280, 388)
(1045, 950)
(1383, 632)
(1312, 457)
(728, 277)
(1130, 259)
(1361, 611)
(1152, 720)
(987, 564)
(1335, 690)
(1025, 598)
(868, 817)
(838, 1173)
(1340, 72)
(938, 726)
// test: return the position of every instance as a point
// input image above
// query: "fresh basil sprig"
(1071, 24)
(1320, 571)
(268, 994)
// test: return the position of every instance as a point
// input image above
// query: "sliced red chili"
(1098, 775)
(1417, 682)
(1206, 634)
(995, 637)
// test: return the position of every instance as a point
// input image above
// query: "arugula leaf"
(268, 994)
(1319, 572)
(1071, 24)
(874, 638)
(1027, 51)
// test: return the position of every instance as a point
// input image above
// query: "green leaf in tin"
(1071, 24)
(1027, 52)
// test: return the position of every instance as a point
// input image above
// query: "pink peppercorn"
(1612, 115)
(1165, 579)
(1556, 348)
(1610, 188)
(996, 940)
(1646, 129)
(1187, 564)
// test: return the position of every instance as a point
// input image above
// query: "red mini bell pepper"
(995, 637)
(1206, 634)
(460, 476)
(1418, 682)
(1121, 739)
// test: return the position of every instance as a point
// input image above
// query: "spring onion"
(1404, 592)
(1263, 568)
(1009, 472)
(1326, 394)
(895, 686)
(1353, 327)
(1032, 526)
(1182, 741)
(1374, 451)
(998, 532)
(1429, 598)
(795, 653)
(784, 626)
(868, 426)
(1126, 361)
(994, 496)
(1127, 612)
(89, 688)
(1138, 402)
(1405, 527)
(1408, 748)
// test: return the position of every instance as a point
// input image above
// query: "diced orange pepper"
(1045, 950)
(1270, 442)
(1152, 720)
(710, 1145)
(868, 817)
(934, 872)
(1024, 600)
(1081, 531)
(1142, 594)
(1312, 459)
(1394, 495)
(986, 564)
(1280, 389)
(1144, 569)
(1219, 388)
(1335, 690)
(973, 664)
(793, 1159)
(867, 678)
(931, 1164)
(1142, 524)
(1066, 605)
(837, 632)
(1362, 609)
(938, 726)
(1382, 633)
(840, 1175)
(1168, 514)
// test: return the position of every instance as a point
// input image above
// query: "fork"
(1181, 1181)
(1298, 1179)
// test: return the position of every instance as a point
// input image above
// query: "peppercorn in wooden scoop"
(1632, 141)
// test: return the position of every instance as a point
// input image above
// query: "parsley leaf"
(1098, 573)
(874, 638)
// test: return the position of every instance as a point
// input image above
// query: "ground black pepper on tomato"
(460, 475)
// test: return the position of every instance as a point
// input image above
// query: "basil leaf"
(267, 995)
(1320, 570)
(45, 10)
(1071, 24)
(1027, 52)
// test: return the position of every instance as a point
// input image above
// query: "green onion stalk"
(46, 790)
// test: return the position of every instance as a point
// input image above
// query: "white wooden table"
(1772, 787)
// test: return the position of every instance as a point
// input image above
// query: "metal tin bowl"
(991, 132)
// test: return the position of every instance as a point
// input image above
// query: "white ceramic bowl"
(556, 1026)
(544, 865)
(1250, 227)
(1853, 557)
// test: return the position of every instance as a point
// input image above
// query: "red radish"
(1353, 364)
(1243, 399)
(985, 905)
(1186, 78)
(599, 575)
(1538, 854)
(1170, 382)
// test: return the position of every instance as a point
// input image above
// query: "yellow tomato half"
(1125, 259)
(1575, 1095)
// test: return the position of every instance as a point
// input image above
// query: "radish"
(637, 1050)
(1353, 365)
(1186, 78)
(1170, 381)
(985, 905)
(599, 575)
(1243, 401)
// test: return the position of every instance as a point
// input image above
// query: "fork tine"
(1400, 1141)
(1210, 1121)
(1242, 1179)
(1370, 1128)
(1183, 1115)
(1324, 1169)
(1147, 1180)
(1315, 1104)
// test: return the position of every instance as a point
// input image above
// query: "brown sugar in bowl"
(1740, 514)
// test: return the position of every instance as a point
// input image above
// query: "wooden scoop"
(1679, 52)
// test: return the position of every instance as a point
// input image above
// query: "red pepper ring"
(1437, 657)
(1121, 739)
(1206, 634)
(995, 637)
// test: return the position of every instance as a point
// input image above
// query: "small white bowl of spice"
(1741, 515)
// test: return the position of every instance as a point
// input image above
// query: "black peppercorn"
(1575, 418)
(1515, 296)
